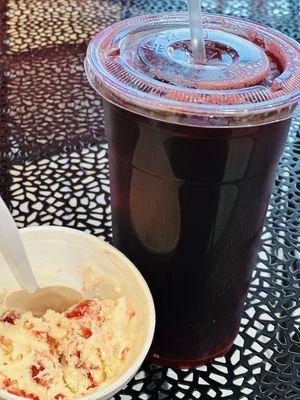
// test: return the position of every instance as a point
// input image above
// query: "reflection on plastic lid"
(145, 65)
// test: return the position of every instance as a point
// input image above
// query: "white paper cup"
(58, 256)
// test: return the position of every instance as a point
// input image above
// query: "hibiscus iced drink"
(193, 151)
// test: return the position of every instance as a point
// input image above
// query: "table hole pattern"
(54, 170)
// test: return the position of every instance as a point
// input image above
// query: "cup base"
(187, 364)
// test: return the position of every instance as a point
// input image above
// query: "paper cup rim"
(120, 381)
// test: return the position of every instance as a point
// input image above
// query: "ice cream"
(63, 356)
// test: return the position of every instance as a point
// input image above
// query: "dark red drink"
(192, 168)
(188, 208)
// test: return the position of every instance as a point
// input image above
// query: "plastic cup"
(193, 151)
(59, 256)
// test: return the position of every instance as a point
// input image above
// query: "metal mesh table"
(53, 170)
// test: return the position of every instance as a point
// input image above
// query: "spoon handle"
(13, 251)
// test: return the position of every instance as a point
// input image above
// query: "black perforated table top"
(54, 170)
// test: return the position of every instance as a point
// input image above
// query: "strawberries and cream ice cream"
(63, 356)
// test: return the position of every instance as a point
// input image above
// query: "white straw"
(197, 32)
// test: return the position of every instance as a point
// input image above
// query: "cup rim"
(134, 89)
(120, 381)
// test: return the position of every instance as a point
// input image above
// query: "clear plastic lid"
(145, 65)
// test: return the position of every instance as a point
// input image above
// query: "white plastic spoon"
(13, 251)
(32, 298)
